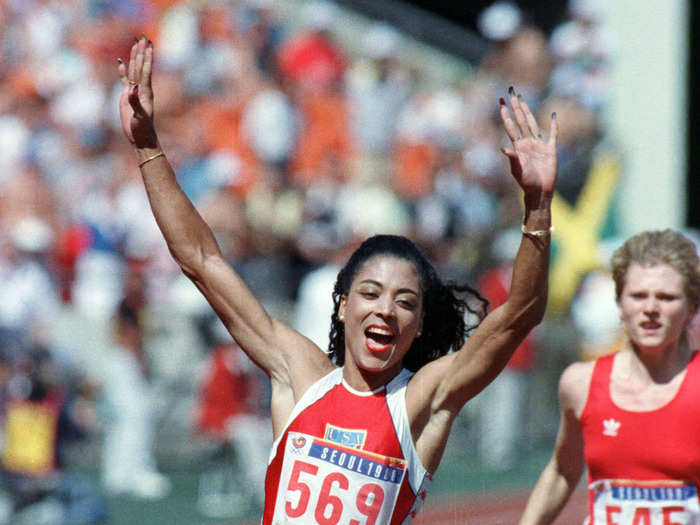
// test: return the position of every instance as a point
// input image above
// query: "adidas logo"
(610, 427)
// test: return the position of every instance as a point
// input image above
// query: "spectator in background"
(41, 419)
(29, 298)
(518, 53)
(311, 59)
(259, 23)
(582, 49)
(313, 64)
(378, 85)
(231, 404)
(128, 460)
(580, 141)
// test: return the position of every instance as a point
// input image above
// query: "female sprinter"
(633, 417)
(358, 437)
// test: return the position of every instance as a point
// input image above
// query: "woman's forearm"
(549, 496)
(528, 290)
(188, 237)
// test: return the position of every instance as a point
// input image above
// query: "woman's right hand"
(136, 101)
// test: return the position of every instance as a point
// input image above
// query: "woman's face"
(383, 314)
(653, 306)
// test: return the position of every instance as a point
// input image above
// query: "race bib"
(326, 483)
(624, 502)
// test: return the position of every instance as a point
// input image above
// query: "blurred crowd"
(292, 142)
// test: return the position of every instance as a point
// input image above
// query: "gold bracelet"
(149, 159)
(537, 233)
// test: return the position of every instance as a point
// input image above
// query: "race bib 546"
(622, 502)
(328, 484)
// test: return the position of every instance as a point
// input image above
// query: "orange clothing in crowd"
(413, 169)
(223, 132)
(324, 137)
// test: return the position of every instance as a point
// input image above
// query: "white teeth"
(379, 331)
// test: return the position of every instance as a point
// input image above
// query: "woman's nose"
(651, 305)
(385, 306)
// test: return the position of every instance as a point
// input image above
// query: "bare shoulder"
(304, 362)
(422, 387)
(430, 421)
(574, 384)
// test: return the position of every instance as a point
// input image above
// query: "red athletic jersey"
(643, 467)
(346, 457)
(225, 393)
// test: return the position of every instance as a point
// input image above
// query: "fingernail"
(501, 101)
(150, 44)
(119, 60)
(143, 36)
(511, 91)
(554, 115)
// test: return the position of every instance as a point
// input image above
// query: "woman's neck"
(660, 365)
(367, 381)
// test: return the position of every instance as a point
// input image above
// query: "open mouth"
(378, 339)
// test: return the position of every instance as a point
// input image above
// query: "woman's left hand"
(533, 161)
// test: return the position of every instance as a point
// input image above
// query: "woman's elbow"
(530, 315)
(195, 262)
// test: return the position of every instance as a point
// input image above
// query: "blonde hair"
(659, 247)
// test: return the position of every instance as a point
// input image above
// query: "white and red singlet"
(347, 458)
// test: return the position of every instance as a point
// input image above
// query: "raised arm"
(533, 164)
(448, 383)
(563, 472)
(291, 360)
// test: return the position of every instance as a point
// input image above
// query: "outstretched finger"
(131, 71)
(121, 69)
(140, 48)
(508, 123)
(147, 65)
(532, 125)
(553, 129)
(518, 113)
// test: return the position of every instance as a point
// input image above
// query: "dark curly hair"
(444, 326)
